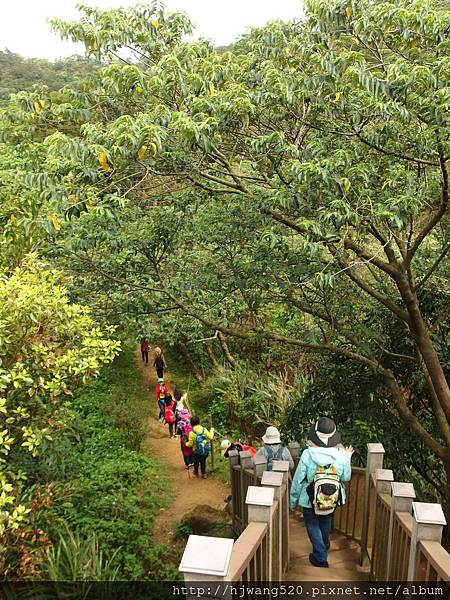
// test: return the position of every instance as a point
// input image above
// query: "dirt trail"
(187, 491)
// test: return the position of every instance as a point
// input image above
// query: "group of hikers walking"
(317, 486)
(195, 440)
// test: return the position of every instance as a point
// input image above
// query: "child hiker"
(199, 440)
(161, 391)
(169, 413)
(183, 429)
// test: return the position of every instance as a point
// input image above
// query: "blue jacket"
(310, 459)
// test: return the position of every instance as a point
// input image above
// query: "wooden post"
(375, 456)
(294, 449)
(260, 508)
(282, 466)
(428, 521)
(233, 460)
(402, 497)
(260, 465)
(274, 479)
(245, 459)
(384, 479)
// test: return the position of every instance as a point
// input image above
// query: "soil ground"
(186, 492)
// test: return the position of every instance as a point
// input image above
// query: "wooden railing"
(400, 539)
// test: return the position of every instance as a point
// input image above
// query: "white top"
(261, 496)
(428, 512)
(206, 555)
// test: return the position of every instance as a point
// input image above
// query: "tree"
(301, 181)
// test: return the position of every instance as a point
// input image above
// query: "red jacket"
(161, 391)
(169, 413)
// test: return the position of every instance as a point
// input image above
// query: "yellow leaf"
(212, 91)
(348, 11)
(337, 97)
(103, 160)
(54, 221)
(72, 198)
(139, 89)
(346, 184)
(44, 103)
(37, 107)
(154, 148)
(155, 23)
(94, 46)
(142, 152)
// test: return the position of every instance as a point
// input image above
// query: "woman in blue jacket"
(323, 449)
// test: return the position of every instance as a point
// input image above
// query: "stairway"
(343, 557)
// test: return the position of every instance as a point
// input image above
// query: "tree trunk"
(446, 507)
(212, 357)
(226, 350)
(188, 359)
(421, 336)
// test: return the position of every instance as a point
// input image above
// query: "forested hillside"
(274, 214)
(18, 73)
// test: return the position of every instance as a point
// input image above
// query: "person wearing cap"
(323, 449)
(161, 391)
(273, 448)
(227, 446)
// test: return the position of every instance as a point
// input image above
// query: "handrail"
(437, 557)
(245, 548)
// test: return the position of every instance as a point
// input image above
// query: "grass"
(112, 491)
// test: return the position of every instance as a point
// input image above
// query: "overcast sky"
(23, 26)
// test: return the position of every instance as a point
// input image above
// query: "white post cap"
(259, 460)
(384, 475)
(428, 512)
(402, 489)
(280, 465)
(375, 448)
(261, 496)
(273, 478)
(206, 555)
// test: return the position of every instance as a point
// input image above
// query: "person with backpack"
(144, 350)
(273, 449)
(159, 363)
(161, 391)
(169, 413)
(318, 485)
(183, 429)
(200, 440)
(227, 446)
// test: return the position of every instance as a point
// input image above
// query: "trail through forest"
(186, 491)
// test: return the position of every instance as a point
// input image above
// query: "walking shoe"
(195, 474)
(204, 476)
(316, 563)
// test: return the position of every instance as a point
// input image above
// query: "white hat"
(272, 436)
(224, 444)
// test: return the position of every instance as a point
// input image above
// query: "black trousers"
(200, 460)
(160, 372)
(171, 428)
(145, 355)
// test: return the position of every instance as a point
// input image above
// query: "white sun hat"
(272, 436)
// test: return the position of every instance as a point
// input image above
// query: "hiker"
(144, 350)
(169, 413)
(159, 362)
(161, 391)
(183, 429)
(317, 487)
(273, 449)
(199, 440)
(180, 398)
(227, 446)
